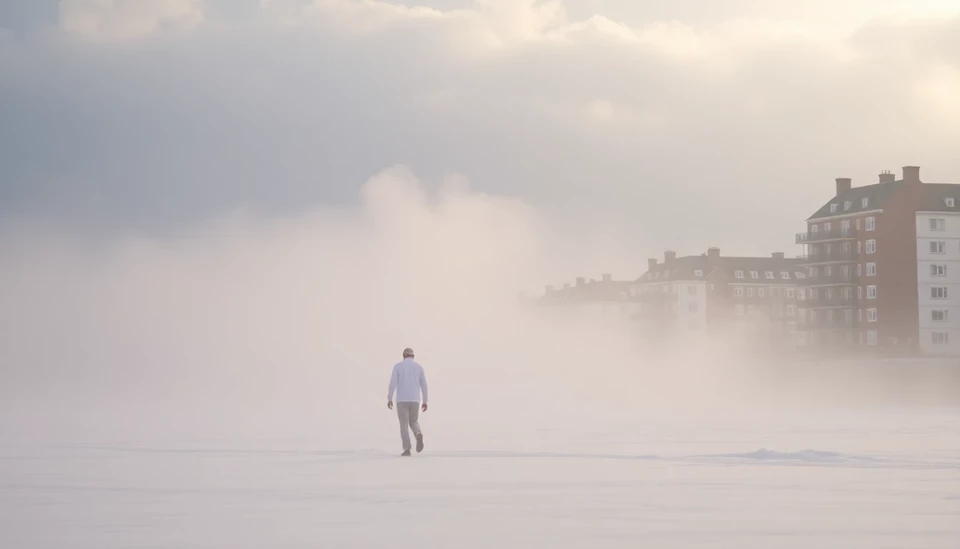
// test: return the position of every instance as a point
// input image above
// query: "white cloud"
(125, 19)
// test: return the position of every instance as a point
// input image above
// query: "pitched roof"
(876, 195)
(934, 199)
(594, 290)
(700, 267)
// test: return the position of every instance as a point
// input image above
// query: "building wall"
(682, 303)
(897, 305)
(938, 336)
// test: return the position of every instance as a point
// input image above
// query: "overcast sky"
(680, 123)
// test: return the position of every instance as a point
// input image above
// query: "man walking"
(409, 381)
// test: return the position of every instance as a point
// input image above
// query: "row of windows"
(769, 275)
(940, 338)
(870, 246)
(864, 203)
(828, 270)
(790, 293)
(844, 293)
(741, 310)
(870, 224)
(831, 315)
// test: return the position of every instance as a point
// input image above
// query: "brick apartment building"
(883, 266)
(697, 293)
(601, 298)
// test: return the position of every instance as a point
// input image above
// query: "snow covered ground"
(866, 479)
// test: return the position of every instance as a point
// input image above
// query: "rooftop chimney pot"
(887, 177)
(911, 174)
(843, 185)
(669, 256)
(581, 280)
(777, 255)
(651, 263)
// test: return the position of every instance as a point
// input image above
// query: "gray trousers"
(409, 414)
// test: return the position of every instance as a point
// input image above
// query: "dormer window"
(949, 202)
(785, 275)
(799, 274)
(698, 272)
(754, 274)
(833, 208)
(738, 274)
(865, 202)
(846, 205)
(769, 275)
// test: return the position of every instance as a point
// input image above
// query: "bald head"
(408, 353)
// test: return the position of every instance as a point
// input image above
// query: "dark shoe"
(405, 453)
(419, 442)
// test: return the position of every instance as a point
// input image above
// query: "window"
(740, 310)
(799, 274)
(859, 269)
(833, 209)
(864, 202)
(785, 275)
(871, 223)
(871, 315)
(859, 243)
(738, 274)
(827, 226)
(858, 223)
(749, 292)
(775, 292)
(692, 290)
(938, 270)
(938, 292)
(871, 246)
(846, 205)
(940, 338)
(769, 275)
(791, 310)
(871, 292)
(949, 202)
(846, 292)
(698, 272)
(871, 269)
(937, 246)
(938, 224)
(828, 270)
(859, 292)
(871, 337)
(791, 293)
(761, 292)
(814, 228)
(938, 316)
(754, 274)
(738, 291)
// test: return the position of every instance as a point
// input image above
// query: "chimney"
(843, 185)
(887, 177)
(651, 263)
(777, 255)
(581, 280)
(713, 253)
(669, 256)
(911, 174)
(607, 277)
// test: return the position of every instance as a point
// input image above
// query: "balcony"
(834, 256)
(828, 324)
(834, 301)
(821, 279)
(839, 233)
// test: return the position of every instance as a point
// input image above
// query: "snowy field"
(858, 479)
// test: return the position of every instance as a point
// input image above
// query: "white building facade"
(938, 281)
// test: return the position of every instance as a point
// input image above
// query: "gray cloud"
(715, 126)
